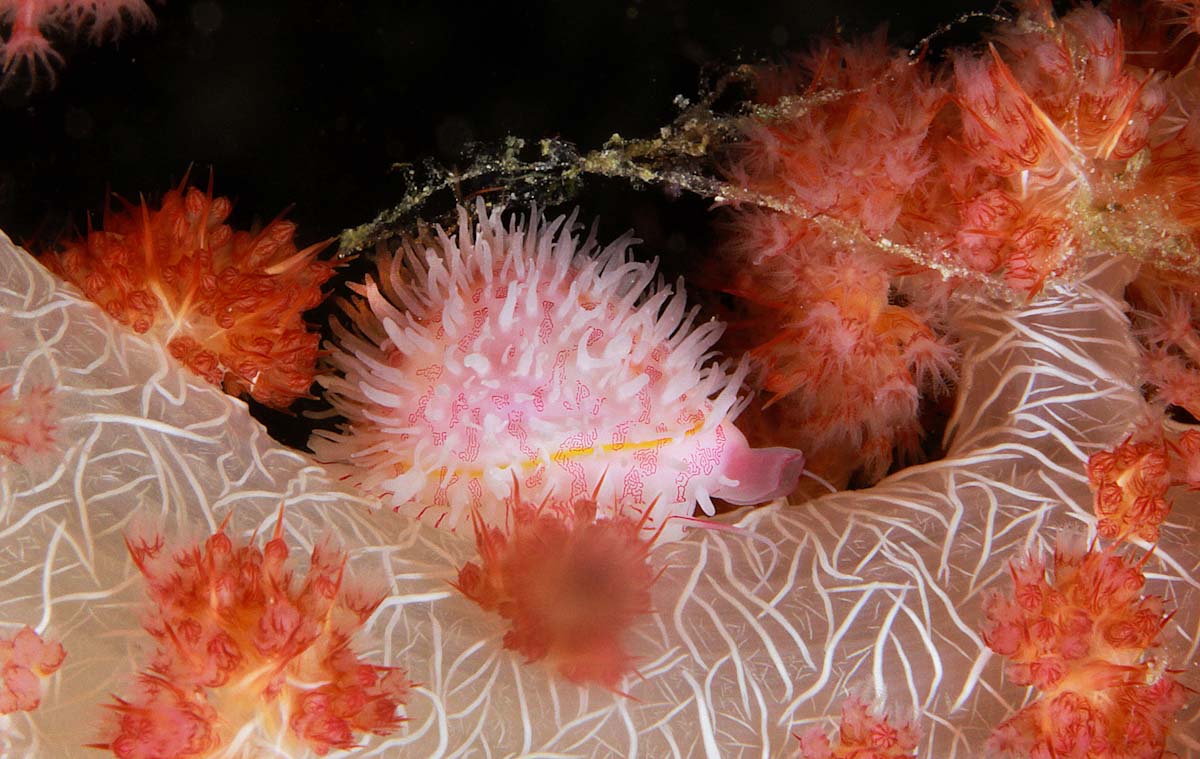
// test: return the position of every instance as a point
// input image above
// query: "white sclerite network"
(758, 633)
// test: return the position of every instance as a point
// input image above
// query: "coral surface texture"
(762, 624)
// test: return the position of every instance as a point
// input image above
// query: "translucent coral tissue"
(521, 350)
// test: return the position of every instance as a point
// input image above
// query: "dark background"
(308, 104)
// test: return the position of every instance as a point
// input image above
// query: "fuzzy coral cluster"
(1065, 137)
(26, 422)
(26, 47)
(25, 659)
(862, 735)
(227, 303)
(520, 350)
(1166, 315)
(247, 659)
(848, 341)
(1131, 482)
(1082, 638)
(570, 586)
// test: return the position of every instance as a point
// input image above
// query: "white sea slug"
(521, 354)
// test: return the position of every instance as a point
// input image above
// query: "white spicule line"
(760, 631)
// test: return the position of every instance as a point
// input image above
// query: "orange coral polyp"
(863, 734)
(228, 304)
(1131, 483)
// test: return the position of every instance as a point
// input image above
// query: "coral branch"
(228, 304)
(241, 650)
(1082, 639)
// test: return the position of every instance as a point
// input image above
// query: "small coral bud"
(1185, 465)
(25, 659)
(224, 303)
(863, 735)
(1130, 483)
(26, 423)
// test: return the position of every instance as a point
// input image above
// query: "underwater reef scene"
(869, 427)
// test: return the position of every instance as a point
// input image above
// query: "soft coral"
(1082, 638)
(847, 340)
(27, 46)
(227, 304)
(26, 422)
(247, 650)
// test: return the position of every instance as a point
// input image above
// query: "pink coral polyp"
(25, 659)
(1082, 639)
(240, 646)
(26, 47)
(227, 304)
(862, 735)
(521, 350)
(1130, 483)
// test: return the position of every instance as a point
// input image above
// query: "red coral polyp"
(25, 659)
(227, 304)
(862, 735)
(1082, 639)
(1130, 484)
(570, 585)
(238, 641)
